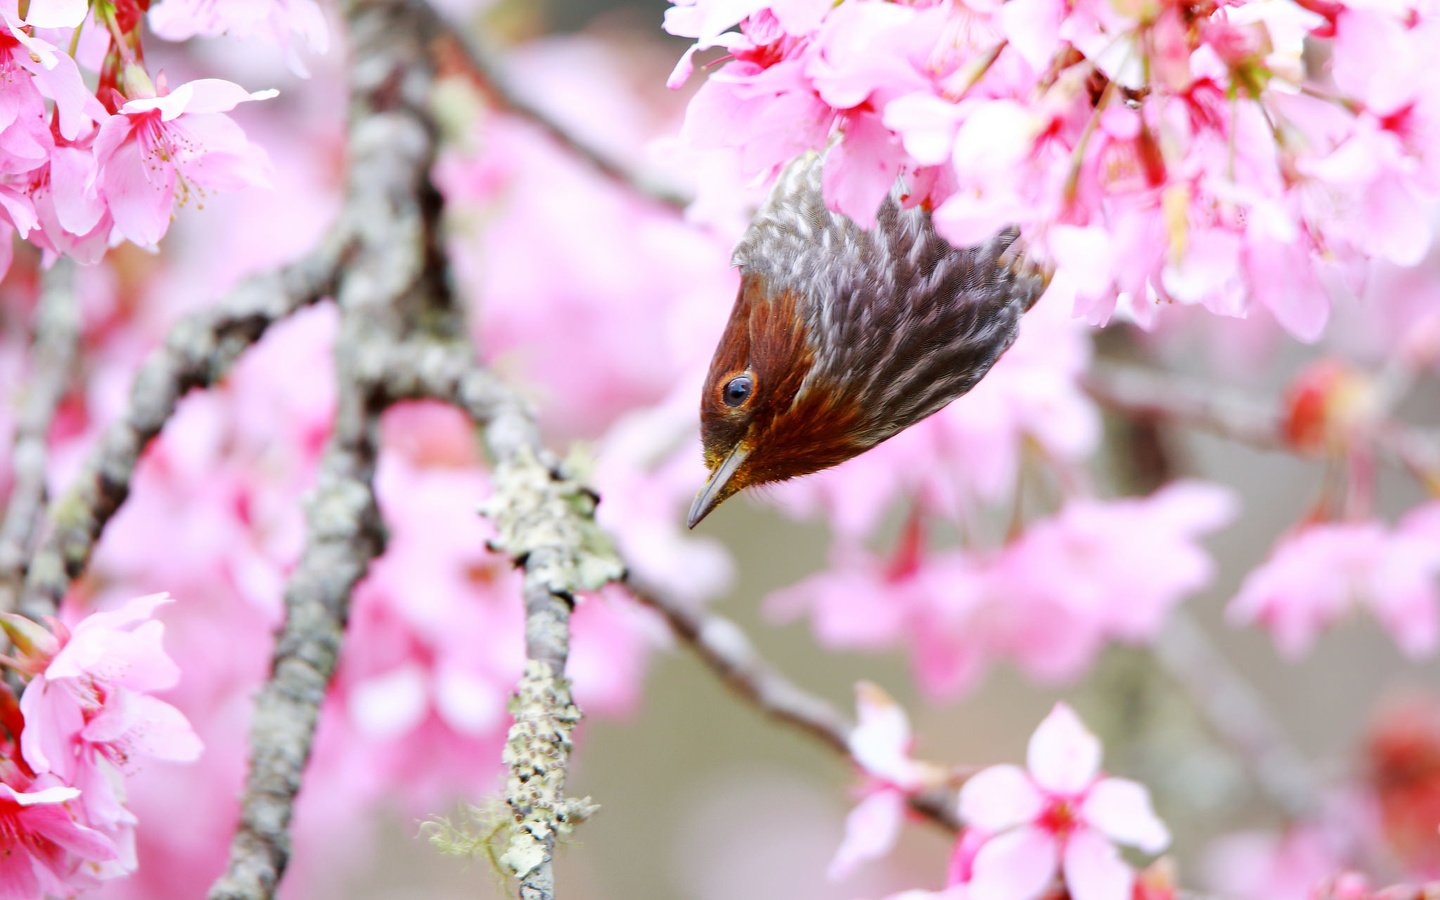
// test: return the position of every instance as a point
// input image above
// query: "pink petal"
(77, 209)
(870, 832)
(57, 13)
(1084, 253)
(76, 103)
(998, 798)
(1017, 865)
(140, 201)
(146, 726)
(1121, 809)
(1094, 869)
(1033, 29)
(861, 169)
(1063, 756)
(56, 794)
(926, 125)
(204, 95)
(880, 742)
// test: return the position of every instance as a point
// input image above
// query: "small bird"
(842, 337)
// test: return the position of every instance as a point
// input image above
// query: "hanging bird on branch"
(841, 337)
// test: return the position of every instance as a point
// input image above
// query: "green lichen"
(546, 518)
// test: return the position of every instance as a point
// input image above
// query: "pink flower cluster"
(86, 718)
(82, 169)
(1158, 151)
(1056, 823)
(1049, 600)
(1320, 572)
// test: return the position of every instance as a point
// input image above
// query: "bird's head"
(767, 413)
(841, 337)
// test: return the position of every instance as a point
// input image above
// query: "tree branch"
(1142, 393)
(723, 646)
(198, 351)
(392, 210)
(1233, 708)
(1236, 711)
(545, 523)
(57, 334)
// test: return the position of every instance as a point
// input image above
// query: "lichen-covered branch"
(723, 646)
(545, 521)
(52, 359)
(197, 353)
(392, 212)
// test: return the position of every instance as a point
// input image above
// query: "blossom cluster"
(84, 168)
(1055, 825)
(1049, 600)
(1157, 152)
(86, 719)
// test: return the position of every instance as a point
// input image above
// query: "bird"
(841, 337)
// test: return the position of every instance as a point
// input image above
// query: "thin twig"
(1234, 709)
(723, 646)
(1143, 393)
(57, 334)
(1237, 712)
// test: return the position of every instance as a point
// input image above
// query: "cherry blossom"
(283, 22)
(91, 707)
(1060, 817)
(1157, 154)
(1320, 572)
(45, 848)
(880, 745)
(1047, 599)
(173, 148)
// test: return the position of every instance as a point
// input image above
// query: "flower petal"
(870, 831)
(1063, 756)
(1017, 865)
(1000, 797)
(1094, 869)
(1120, 808)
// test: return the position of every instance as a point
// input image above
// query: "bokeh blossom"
(1321, 572)
(1050, 599)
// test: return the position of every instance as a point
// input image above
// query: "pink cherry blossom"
(91, 706)
(1050, 599)
(1158, 157)
(880, 745)
(160, 151)
(1058, 818)
(1319, 573)
(44, 849)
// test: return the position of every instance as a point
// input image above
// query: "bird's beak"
(717, 487)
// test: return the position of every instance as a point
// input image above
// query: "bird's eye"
(737, 390)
